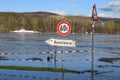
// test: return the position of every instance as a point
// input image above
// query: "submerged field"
(22, 56)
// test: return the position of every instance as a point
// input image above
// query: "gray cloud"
(112, 6)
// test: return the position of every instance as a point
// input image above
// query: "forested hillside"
(47, 22)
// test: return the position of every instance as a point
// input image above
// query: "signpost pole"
(63, 28)
(62, 53)
(94, 19)
(63, 56)
(93, 47)
(93, 40)
(55, 56)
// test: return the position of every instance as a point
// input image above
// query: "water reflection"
(62, 75)
(92, 68)
(26, 77)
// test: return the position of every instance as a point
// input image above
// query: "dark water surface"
(24, 47)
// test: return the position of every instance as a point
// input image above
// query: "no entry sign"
(64, 28)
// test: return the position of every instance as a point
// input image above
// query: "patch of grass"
(38, 69)
(46, 69)
(89, 71)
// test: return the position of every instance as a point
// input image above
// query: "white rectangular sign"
(60, 42)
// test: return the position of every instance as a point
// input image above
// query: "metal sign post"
(92, 64)
(93, 40)
(63, 28)
(62, 57)
(94, 19)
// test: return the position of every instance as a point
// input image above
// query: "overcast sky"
(105, 8)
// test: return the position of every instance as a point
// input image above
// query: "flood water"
(16, 49)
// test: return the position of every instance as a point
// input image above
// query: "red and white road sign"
(64, 28)
(94, 14)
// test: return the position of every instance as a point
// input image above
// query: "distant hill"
(47, 22)
(39, 14)
(116, 20)
(45, 14)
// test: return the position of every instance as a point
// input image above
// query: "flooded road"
(31, 50)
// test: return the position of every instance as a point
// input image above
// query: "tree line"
(10, 21)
